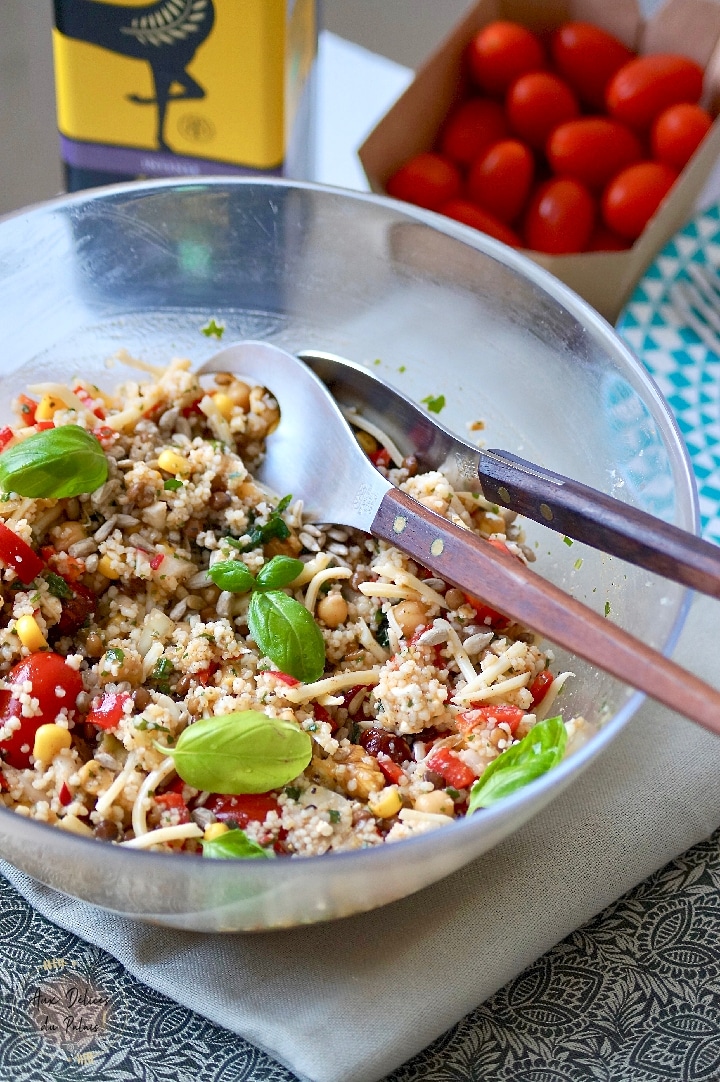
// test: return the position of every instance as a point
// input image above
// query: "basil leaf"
(234, 843)
(54, 464)
(275, 527)
(244, 752)
(58, 586)
(232, 575)
(285, 631)
(279, 572)
(536, 753)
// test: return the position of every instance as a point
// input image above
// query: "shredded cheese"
(216, 420)
(495, 691)
(303, 693)
(318, 563)
(139, 809)
(389, 590)
(105, 802)
(164, 834)
(551, 695)
(370, 642)
(316, 582)
(130, 416)
(60, 390)
(412, 582)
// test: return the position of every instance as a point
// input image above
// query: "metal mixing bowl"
(445, 310)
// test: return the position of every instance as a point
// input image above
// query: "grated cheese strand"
(495, 691)
(316, 582)
(305, 692)
(139, 809)
(164, 834)
(372, 430)
(369, 641)
(551, 695)
(105, 801)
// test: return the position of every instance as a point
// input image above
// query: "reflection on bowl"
(439, 310)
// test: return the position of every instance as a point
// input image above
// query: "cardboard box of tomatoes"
(552, 140)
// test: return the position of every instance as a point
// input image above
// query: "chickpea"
(239, 393)
(410, 615)
(67, 534)
(332, 610)
(437, 803)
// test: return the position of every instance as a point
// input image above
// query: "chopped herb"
(275, 527)
(334, 815)
(377, 361)
(151, 726)
(452, 793)
(172, 484)
(115, 654)
(292, 792)
(381, 635)
(161, 674)
(57, 586)
(567, 540)
(402, 368)
(434, 403)
(578, 564)
(212, 329)
(607, 608)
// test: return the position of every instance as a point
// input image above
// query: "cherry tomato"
(540, 686)
(451, 769)
(587, 58)
(592, 149)
(632, 197)
(483, 715)
(603, 239)
(471, 127)
(536, 103)
(678, 132)
(428, 180)
(485, 615)
(245, 808)
(55, 686)
(643, 88)
(16, 553)
(109, 711)
(500, 178)
(463, 210)
(560, 217)
(501, 52)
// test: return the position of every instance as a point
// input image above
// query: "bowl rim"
(559, 777)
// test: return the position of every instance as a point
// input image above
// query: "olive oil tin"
(184, 87)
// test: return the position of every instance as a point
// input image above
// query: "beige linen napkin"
(351, 1000)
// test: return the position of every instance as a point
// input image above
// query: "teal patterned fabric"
(687, 372)
(630, 997)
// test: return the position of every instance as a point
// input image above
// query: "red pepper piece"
(392, 773)
(284, 677)
(156, 561)
(244, 808)
(381, 457)
(42, 426)
(6, 434)
(17, 554)
(451, 769)
(483, 715)
(172, 801)
(540, 686)
(485, 615)
(108, 713)
(65, 795)
(321, 714)
(27, 407)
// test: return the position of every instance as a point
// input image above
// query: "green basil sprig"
(534, 755)
(282, 628)
(233, 844)
(54, 464)
(243, 752)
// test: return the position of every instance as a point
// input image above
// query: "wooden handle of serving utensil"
(505, 583)
(600, 521)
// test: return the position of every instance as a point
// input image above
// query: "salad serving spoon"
(313, 455)
(566, 506)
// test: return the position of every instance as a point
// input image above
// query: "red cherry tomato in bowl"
(499, 179)
(641, 89)
(587, 58)
(469, 213)
(678, 132)
(501, 52)
(471, 127)
(560, 217)
(55, 686)
(536, 103)
(427, 179)
(592, 149)
(632, 197)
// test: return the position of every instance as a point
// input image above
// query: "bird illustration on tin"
(166, 34)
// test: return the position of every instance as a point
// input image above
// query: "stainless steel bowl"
(444, 310)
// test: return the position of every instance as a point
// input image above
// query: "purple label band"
(151, 163)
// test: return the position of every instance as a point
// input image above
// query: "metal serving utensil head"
(312, 453)
(412, 430)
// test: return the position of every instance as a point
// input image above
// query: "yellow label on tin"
(211, 79)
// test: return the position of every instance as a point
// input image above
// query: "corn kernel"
(388, 803)
(49, 740)
(74, 825)
(48, 406)
(106, 568)
(28, 631)
(224, 404)
(214, 830)
(172, 462)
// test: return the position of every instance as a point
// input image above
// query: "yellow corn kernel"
(48, 406)
(224, 404)
(388, 803)
(28, 631)
(106, 568)
(214, 830)
(172, 462)
(49, 740)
